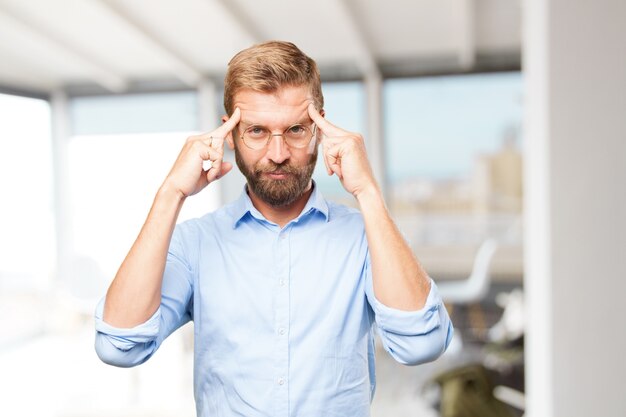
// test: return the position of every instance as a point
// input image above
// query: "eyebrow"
(303, 121)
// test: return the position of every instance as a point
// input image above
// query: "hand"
(200, 161)
(344, 155)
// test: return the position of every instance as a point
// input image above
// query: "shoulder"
(189, 235)
(342, 215)
(337, 211)
(200, 226)
(345, 227)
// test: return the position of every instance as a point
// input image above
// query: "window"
(453, 148)
(27, 223)
(454, 163)
(122, 149)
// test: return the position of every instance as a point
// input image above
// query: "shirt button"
(283, 236)
(281, 381)
(281, 331)
(281, 282)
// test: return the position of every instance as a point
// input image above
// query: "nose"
(277, 149)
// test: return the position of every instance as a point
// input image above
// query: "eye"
(297, 131)
(256, 132)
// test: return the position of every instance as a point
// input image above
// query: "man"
(284, 287)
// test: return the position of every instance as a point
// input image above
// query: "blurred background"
(496, 129)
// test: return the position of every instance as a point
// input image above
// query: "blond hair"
(268, 66)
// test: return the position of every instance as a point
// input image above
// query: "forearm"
(399, 281)
(135, 293)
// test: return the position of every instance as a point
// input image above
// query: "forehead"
(285, 106)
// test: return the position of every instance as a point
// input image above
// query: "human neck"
(284, 214)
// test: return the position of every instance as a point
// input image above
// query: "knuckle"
(193, 138)
(356, 140)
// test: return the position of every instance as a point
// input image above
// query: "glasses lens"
(256, 137)
(298, 136)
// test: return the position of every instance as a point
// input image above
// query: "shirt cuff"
(410, 323)
(126, 339)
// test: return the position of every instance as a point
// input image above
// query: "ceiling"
(113, 46)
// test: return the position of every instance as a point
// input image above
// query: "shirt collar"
(243, 206)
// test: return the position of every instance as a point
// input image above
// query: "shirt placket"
(281, 323)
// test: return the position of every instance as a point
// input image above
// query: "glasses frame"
(271, 135)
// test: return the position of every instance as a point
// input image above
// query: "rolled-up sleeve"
(126, 347)
(413, 337)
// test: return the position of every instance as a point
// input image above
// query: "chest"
(299, 282)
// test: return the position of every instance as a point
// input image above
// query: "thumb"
(213, 175)
(226, 167)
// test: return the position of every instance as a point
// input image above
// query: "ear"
(229, 137)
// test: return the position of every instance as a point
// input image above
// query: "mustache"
(274, 168)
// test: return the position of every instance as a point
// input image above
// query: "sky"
(434, 126)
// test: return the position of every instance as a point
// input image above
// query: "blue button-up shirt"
(283, 318)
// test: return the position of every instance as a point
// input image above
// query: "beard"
(277, 193)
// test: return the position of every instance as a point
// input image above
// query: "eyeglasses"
(296, 136)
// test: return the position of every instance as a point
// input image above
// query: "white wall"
(575, 69)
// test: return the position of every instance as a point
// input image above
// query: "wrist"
(170, 193)
(369, 196)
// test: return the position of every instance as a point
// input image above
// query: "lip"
(277, 175)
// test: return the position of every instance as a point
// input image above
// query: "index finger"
(327, 127)
(228, 126)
